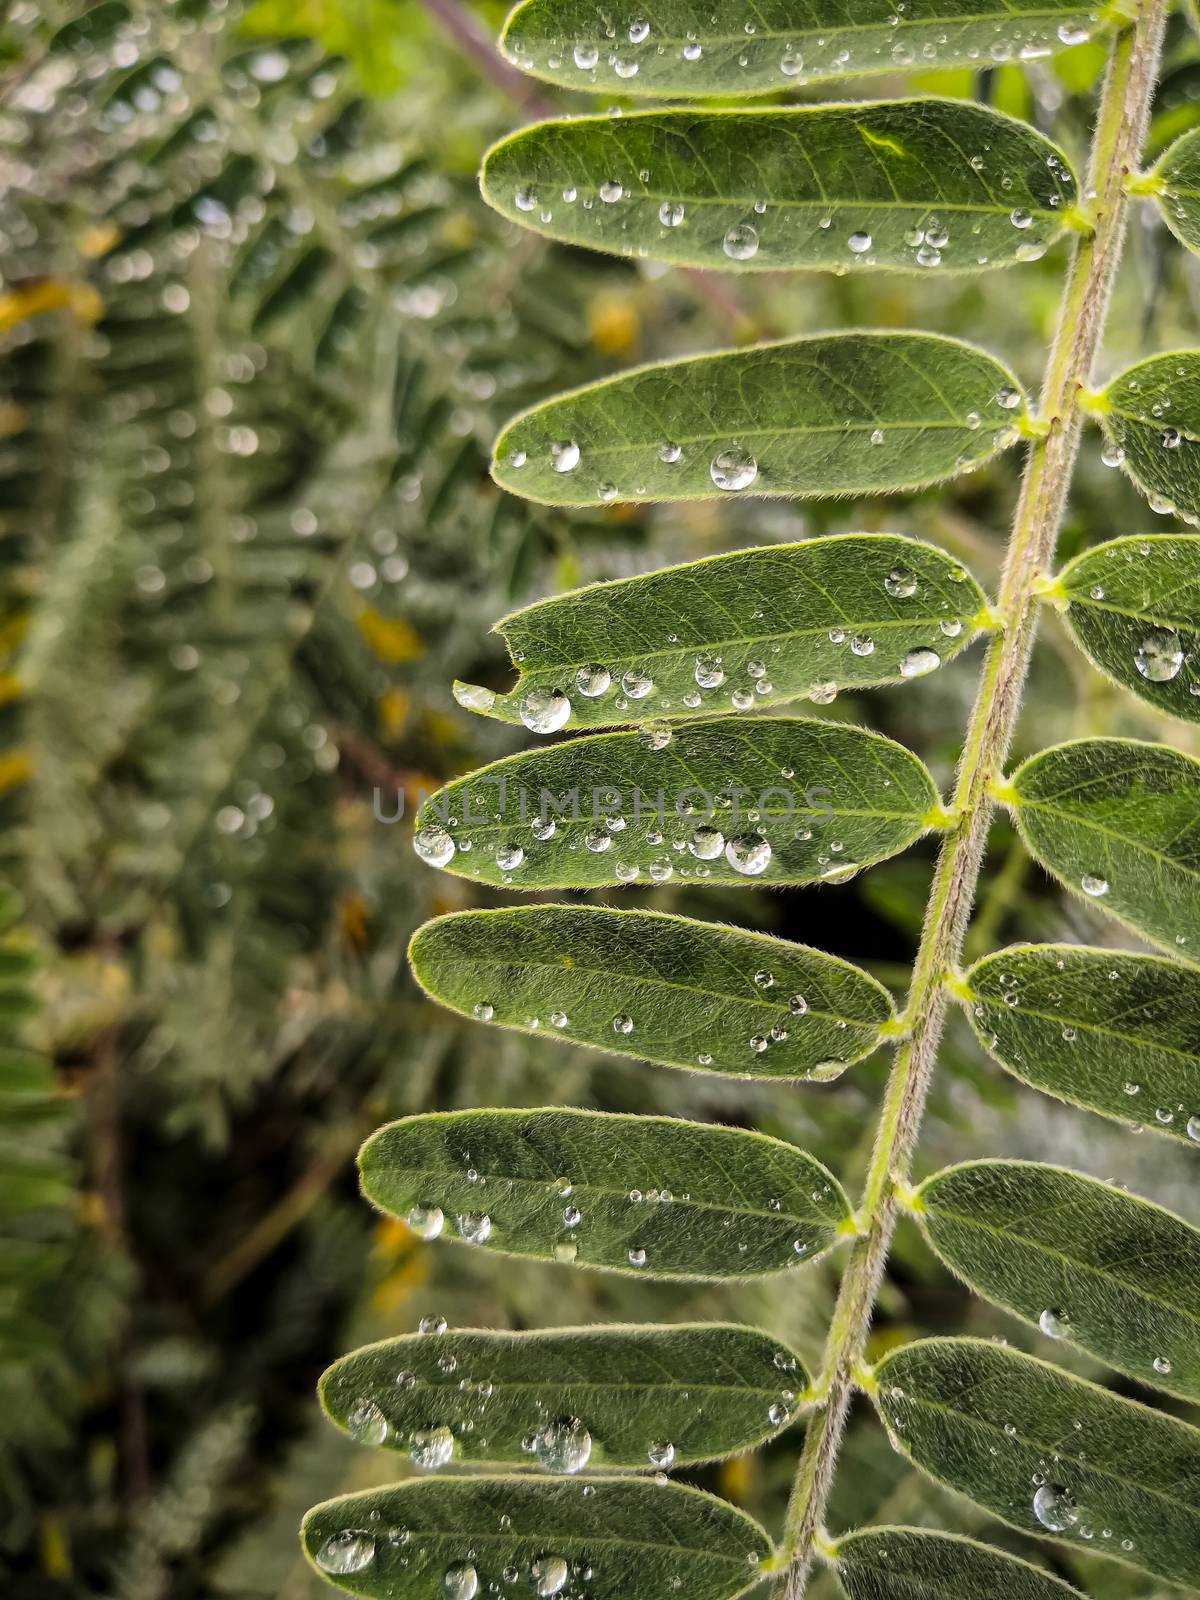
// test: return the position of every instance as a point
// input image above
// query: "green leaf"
(1119, 822)
(652, 1196)
(1175, 184)
(1047, 1453)
(1134, 607)
(1151, 412)
(770, 800)
(887, 184)
(709, 998)
(1083, 1261)
(634, 1538)
(912, 1564)
(1115, 1032)
(856, 610)
(841, 413)
(647, 1397)
(696, 48)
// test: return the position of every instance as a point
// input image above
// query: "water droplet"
(778, 1413)
(563, 1446)
(733, 468)
(655, 735)
(526, 199)
(474, 696)
(670, 453)
(564, 456)
(611, 191)
(475, 1227)
(706, 844)
(348, 1551)
(1162, 1366)
(692, 51)
(1008, 398)
(670, 214)
(1020, 218)
(749, 855)
(709, 673)
(741, 242)
(427, 1221)
(1070, 33)
(1055, 1324)
(434, 845)
(860, 243)
(367, 1422)
(637, 1257)
(1160, 656)
(549, 1574)
(461, 1581)
(586, 56)
(900, 583)
(1193, 1128)
(432, 1324)
(598, 840)
(622, 1023)
(1096, 887)
(791, 64)
(638, 31)
(661, 1455)
(1054, 1508)
(823, 694)
(862, 645)
(484, 1010)
(431, 1448)
(918, 662)
(636, 683)
(545, 710)
(624, 69)
(592, 681)
(1112, 454)
(1171, 438)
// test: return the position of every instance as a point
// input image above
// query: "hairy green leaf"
(709, 998)
(912, 1564)
(696, 48)
(1083, 1261)
(1047, 1453)
(778, 623)
(572, 1398)
(653, 1196)
(1115, 1032)
(459, 1536)
(914, 184)
(841, 413)
(1134, 607)
(1175, 183)
(1119, 822)
(1151, 413)
(772, 800)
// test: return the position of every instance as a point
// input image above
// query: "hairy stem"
(1120, 129)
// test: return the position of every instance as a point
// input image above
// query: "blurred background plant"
(257, 331)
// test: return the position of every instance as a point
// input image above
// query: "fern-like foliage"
(693, 785)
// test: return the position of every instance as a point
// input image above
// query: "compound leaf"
(653, 1196)
(778, 623)
(1134, 607)
(695, 48)
(913, 184)
(913, 1564)
(638, 1538)
(1175, 184)
(774, 800)
(1083, 1261)
(841, 413)
(1047, 1453)
(570, 1398)
(709, 998)
(1119, 822)
(1151, 412)
(1115, 1032)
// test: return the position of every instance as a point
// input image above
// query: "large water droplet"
(900, 583)
(348, 1551)
(918, 662)
(709, 674)
(563, 1446)
(431, 1448)
(564, 456)
(670, 214)
(611, 190)
(860, 243)
(509, 857)
(434, 845)
(461, 1581)
(1162, 1366)
(741, 242)
(545, 710)
(549, 1574)
(593, 681)
(749, 855)
(1055, 1324)
(586, 56)
(1054, 1508)
(661, 1455)
(622, 1023)
(733, 468)
(427, 1221)
(367, 1423)
(706, 844)
(1096, 887)
(475, 1227)
(1160, 656)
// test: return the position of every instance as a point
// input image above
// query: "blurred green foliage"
(258, 334)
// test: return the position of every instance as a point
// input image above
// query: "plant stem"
(1116, 145)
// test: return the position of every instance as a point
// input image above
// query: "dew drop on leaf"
(670, 214)
(1054, 1508)
(434, 845)
(749, 855)
(563, 1446)
(427, 1221)
(1160, 655)
(1055, 1324)
(661, 1455)
(918, 662)
(740, 244)
(460, 1582)
(593, 680)
(545, 710)
(431, 1448)
(549, 1574)
(733, 469)
(900, 583)
(1096, 887)
(622, 1023)
(564, 456)
(348, 1551)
